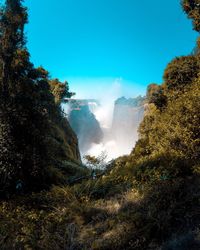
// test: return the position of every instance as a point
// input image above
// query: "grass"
(161, 216)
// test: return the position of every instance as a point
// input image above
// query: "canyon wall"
(127, 116)
(84, 123)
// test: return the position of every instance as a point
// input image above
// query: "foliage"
(196, 50)
(59, 90)
(147, 200)
(192, 9)
(96, 162)
(155, 95)
(181, 71)
(23, 121)
(29, 117)
(65, 218)
(180, 135)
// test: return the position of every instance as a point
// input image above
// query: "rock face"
(63, 143)
(127, 116)
(84, 123)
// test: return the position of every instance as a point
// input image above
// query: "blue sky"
(103, 44)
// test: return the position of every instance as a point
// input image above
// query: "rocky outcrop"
(84, 123)
(127, 116)
(63, 147)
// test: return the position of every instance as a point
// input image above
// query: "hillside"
(38, 147)
(148, 200)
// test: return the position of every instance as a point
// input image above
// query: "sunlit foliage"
(181, 71)
(59, 90)
(192, 8)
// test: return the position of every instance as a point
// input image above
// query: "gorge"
(96, 135)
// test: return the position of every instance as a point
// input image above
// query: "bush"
(180, 72)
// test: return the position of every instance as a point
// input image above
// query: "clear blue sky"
(93, 43)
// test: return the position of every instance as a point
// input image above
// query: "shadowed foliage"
(30, 115)
(192, 8)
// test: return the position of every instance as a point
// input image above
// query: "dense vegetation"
(147, 200)
(36, 141)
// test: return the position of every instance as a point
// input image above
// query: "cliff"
(84, 123)
(64, 142)
(127, 116)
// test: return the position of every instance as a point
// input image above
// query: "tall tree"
(23, 120)
(12, 20)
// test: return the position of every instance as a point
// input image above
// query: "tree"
(23, 122)
(196, 50)
(35, 138)
(98, 163)
(12, 20)
(192, 9)
(151, 89)
(181, 72)
(60, 90)
(156, 95)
